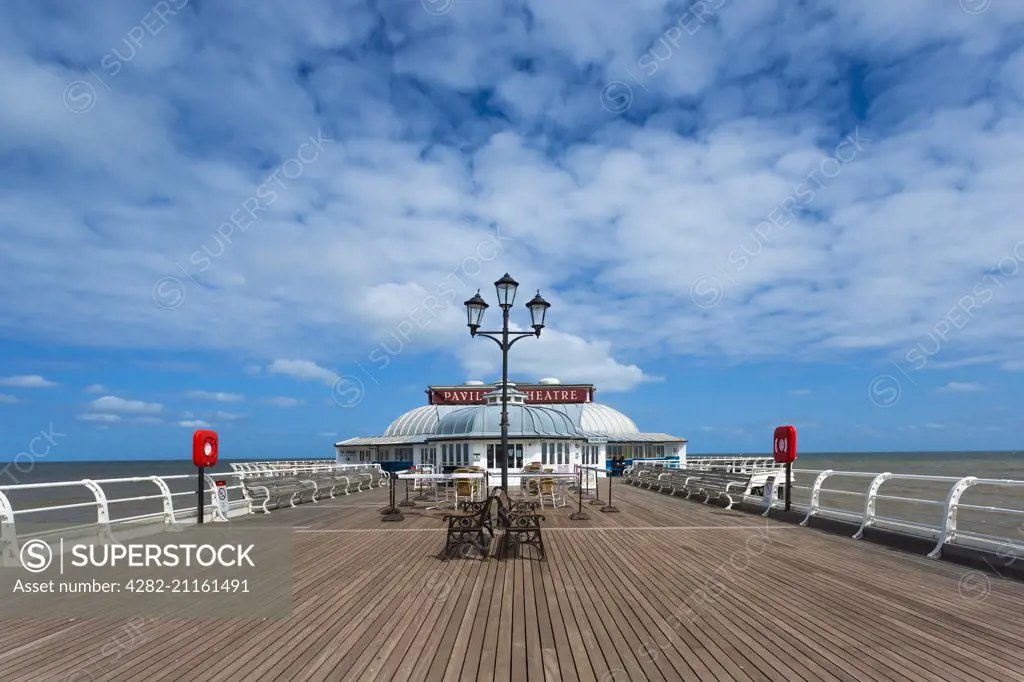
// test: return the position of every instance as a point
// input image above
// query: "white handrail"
(946, 532)
(105, 504)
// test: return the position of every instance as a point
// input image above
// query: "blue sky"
(265, 218)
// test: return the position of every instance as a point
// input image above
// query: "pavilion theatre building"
(550, 424)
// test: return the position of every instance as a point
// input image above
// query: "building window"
(490, 455)
(543, 453)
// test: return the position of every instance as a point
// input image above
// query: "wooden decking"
(667, 589)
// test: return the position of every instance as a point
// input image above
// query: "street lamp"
(475, 307)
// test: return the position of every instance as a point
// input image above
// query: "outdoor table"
(442, 477)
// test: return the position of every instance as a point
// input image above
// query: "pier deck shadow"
(667, 589)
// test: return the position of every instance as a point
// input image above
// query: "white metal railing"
(665, 462)
(740, 464)
(106, 506)
(945, 531)
(293, 467)
(106, 503)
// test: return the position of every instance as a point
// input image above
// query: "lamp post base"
(609, 508)
(407, 503)
(579, 516)
(597, 500)
(392, 514)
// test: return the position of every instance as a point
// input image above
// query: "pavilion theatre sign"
(539, 393)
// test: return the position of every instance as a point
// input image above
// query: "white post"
(949, 516)
(8, 534)
(165, 494)
(812, 508)
(869, 506)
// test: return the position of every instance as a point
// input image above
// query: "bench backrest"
(720, 479)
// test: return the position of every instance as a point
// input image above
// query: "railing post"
(579, 514)
(407, 502)
(102, 508)
(392, 512)
(869, 505)
(610, 507)
(949, 516)
(165, 494)
(104, 533)
(597, 490)
(8, 534)
(812, 507)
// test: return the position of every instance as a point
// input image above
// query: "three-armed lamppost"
(475, 307)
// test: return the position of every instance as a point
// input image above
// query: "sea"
(840, 489)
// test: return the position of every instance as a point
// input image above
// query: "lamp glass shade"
(475, 308)
(506, 288)
(538, 311)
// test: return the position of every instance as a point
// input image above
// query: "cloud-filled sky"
(743, 213)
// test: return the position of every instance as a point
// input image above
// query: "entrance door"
(514, 458)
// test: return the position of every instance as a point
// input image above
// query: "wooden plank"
(606, 600)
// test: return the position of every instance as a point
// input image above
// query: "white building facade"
(552, 425)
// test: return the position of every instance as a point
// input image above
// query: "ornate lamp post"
(475, 307)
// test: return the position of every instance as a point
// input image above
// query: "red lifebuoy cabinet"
(785, 444)
(204, 448)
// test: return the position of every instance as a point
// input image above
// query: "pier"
(666, 589)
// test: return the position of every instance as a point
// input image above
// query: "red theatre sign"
(537, 394)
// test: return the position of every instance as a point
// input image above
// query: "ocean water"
(840, 490)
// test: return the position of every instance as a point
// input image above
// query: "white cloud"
(228, 416)
(92, 417)
(217, 397)
(284, 401)
(27, 381)
(111, 403)
(614, 217)
(96, 388)
(8, 399)
(305, 370)
(556, 354)
(148, 420)
(960, 387)
(193, 424)
(187, 415)
(800, 391)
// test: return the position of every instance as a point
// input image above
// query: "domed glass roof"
(557, 420)
(598, 418)
(419, 421)
(523, 420)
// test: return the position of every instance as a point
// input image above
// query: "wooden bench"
(466, 530)
(723, 484)
(520, 522)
